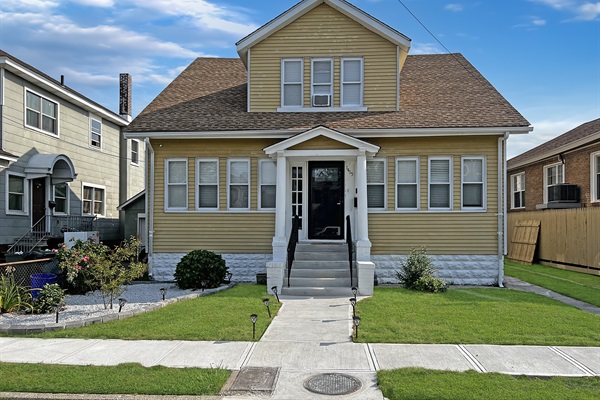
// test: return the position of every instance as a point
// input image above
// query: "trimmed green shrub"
(200, 269)
(417, 273)
(48, 297)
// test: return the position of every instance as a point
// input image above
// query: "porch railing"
(291, 248)
(350, 246)
(71, 223)
(31, 239)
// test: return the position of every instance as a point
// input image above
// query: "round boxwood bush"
(200, 269)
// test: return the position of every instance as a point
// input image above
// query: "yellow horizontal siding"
(322, 143)
(324, 32)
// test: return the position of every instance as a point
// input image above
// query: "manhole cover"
(332, 384)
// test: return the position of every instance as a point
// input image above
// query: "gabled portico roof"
(368, 148)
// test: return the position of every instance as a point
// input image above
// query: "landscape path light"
(266, 303)
(163, 292)
(356, 323)
(57, 308)
(354, 291)
(353, 303)
(204, 284)
(122, 302)
(274, 290)
(253, 318)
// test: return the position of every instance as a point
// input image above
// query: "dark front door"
(326, 200)
(38, 202)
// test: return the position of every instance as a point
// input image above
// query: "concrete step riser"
(321, 248)
(320, 273)
(316, 291)
(314, 264)
(312, 256)
(320, 282)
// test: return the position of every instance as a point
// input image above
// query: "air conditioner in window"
(321, 100)
(563, 193)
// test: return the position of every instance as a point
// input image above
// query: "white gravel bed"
(90, 305)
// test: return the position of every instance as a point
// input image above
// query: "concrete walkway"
(309, 336)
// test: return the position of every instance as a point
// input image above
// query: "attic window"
(322, 82)
(291, 82)
(352, 82)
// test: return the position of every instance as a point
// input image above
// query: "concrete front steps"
(319, 269)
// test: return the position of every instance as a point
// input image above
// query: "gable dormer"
(323, 55)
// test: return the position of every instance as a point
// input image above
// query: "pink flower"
(54, 250)
(78, 267)
(85, 259)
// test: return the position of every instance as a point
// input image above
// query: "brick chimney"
(125, 96)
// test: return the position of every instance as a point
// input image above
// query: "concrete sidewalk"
(309, 336)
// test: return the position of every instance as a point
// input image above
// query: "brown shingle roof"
(436, 92)
(575, 134)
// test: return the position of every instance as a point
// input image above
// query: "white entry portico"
(297, 163)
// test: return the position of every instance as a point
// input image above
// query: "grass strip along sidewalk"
(577, 285)
(473, 316)
(120, 379)
(422, 384)
(223, 316)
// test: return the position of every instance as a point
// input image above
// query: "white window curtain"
(407, 184)
(376, 184)
(352, 86)
(439, 183)
(176, 184)
(518, 191)
(292, 83)
(473, 173)
(268, 180)
(208, 184)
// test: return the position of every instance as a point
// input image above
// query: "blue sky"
(542, 55)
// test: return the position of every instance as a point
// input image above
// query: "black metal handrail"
(349, 243)
(291, 248)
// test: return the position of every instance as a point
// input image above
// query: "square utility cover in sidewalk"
(257, 380)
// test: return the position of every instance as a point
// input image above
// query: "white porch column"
(275, 268)
(362, 221)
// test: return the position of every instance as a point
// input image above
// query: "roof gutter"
(502, 246)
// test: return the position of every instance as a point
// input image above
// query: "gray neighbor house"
(64, 164)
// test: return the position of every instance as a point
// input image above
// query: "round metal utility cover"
(332, 384)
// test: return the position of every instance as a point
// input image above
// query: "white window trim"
(198, 160)
(138, 153)
(166, 187)
(25, 210)
(546, 168)
(450, 183)
(385, 185)
(91, 145)
(35, 128)
(283, 60)
(396, 183)
(362, 81)
(594, 171)
(312, 79)
(513, 191)
(229, 161)
(260, 184)
(94, 186)
(483, 183)
(67, 200)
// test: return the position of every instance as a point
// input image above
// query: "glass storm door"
(326, 200)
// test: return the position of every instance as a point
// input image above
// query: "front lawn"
(422, 384)
(223, 316)
(473, 316)
(121, 379)
(580, 286)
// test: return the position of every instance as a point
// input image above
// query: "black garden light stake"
(274, 290)
(353, 303)
(354, 291)
(228, 277)
(122, 302)
(204, 284)
(163, 292)
(266, 303)
(57, 308)
(356, 323)
(253, 318)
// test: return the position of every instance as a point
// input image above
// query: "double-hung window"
(322, 82)
(352, 82)
(135, 152)
(376, 178)
(517, 190)
(176, 183)
(595, 177)
(440, 183)
(407, 183)
(16, 201)
(268, 180)
(207, 172)
(553, 175)
(95, 133)
(61, 198)
(292, 82)
(238, 184)
(473, 183)
(41, 113)
(93, 200)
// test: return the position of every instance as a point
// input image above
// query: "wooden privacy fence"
(569, 237)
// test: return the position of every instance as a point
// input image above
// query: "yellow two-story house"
(324, 153)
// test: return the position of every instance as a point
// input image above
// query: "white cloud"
(31, 5)
(583, 10)
(588, 11)
(454, 7)
(425, 48)
(543, 131)
(538, 21)
(95, 3)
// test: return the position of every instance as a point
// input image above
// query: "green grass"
(473, 316)
(416, 383)
(580, 286)
(223, 316)
(121, 379)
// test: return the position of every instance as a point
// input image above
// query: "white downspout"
(149, 183)
(501, 206)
